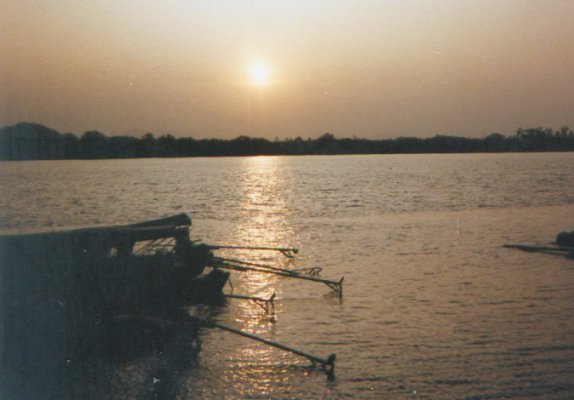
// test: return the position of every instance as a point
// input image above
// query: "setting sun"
(259, 73)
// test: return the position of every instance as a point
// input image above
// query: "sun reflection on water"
(265, 221)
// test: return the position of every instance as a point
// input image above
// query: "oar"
(328, 363)
(260, 301)
(332, 284)
(286, 251)
(309, 271)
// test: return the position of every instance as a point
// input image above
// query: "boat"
(563, 245)
(565, 239)
(81, 298)
(65, 296)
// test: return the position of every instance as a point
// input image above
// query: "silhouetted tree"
(93, 145)
(71, 146)
(166, 146)
(122, 146)
(496, 142)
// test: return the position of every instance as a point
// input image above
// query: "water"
(433, 307)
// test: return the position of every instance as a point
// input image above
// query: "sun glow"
(259, 73)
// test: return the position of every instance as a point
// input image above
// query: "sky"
(288, 68)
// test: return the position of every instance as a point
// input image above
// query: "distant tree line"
(28, 141)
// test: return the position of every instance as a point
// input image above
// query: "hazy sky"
(287, 68)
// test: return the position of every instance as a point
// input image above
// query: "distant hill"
(30, 141)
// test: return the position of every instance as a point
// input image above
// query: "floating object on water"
(564, 245)
(532, 249)
(565, 239)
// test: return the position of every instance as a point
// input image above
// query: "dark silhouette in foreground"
(78, 307)
(81, 309)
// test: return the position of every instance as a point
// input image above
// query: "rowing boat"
(63, 293)
(82, 294)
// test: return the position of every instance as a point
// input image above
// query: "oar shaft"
(241, 297)
(265, 304)
(233, 260)
(267, 271)
(217, 247)
(268, 342)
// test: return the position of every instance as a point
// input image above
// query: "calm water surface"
(433, 307)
